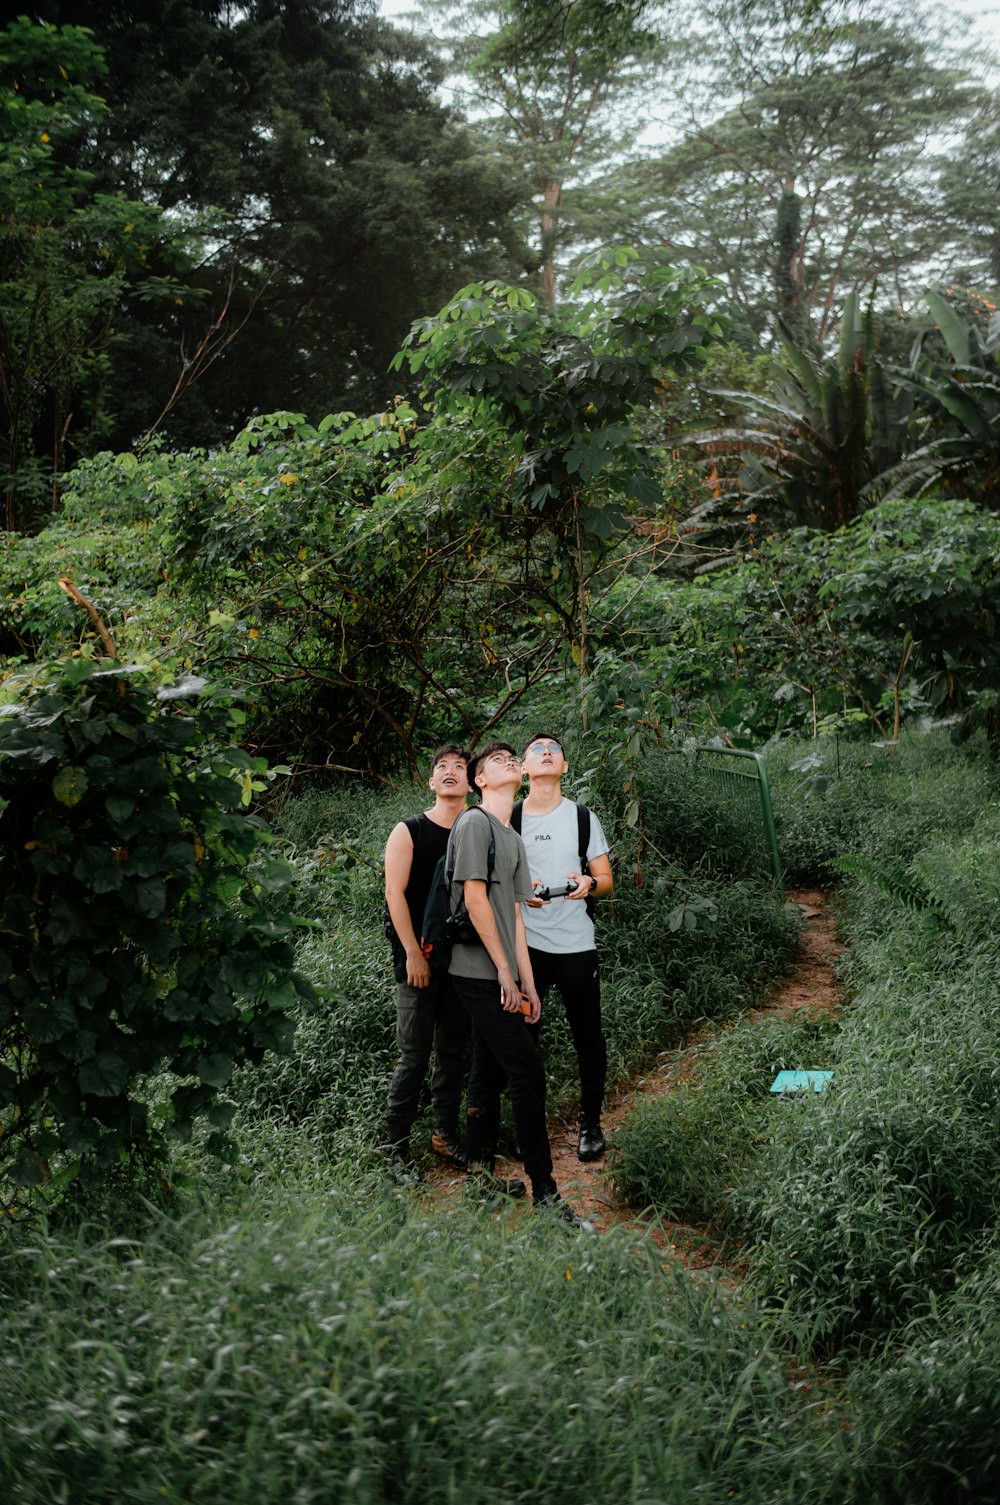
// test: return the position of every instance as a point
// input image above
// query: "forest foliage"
(275, 528)
(186, 246)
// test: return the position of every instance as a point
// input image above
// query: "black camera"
(555, 893)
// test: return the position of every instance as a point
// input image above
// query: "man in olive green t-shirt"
(493, 979)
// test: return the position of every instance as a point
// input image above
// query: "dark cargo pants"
(429, 1021)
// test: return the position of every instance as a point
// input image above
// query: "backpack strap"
(583, 842)
(491, 855)
(583, 835)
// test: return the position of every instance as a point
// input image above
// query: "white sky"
(983, 20)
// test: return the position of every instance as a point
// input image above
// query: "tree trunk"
(551, 200)
(788, 274)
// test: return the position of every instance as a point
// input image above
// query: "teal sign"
(800, 1081)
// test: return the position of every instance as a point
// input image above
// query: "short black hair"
(449, 750)
(472, 766)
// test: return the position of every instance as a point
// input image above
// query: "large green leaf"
(69, 786)
(954, 329)
(105, 1075)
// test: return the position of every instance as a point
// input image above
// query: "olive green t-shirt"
(509, 884)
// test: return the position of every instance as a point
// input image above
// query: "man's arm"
(398, 862)
(526, 975)
(603, 883)
(481, 914)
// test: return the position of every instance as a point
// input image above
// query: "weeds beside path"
(811, 984)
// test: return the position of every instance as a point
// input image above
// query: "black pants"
(577, 976)
(504, 1052)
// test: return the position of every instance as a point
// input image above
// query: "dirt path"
(811, 983)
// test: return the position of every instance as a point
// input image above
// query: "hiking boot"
(590, 1145)
(447, 1148)
(550, 1201)
(403, 1169)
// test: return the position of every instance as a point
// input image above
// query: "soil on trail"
(810, 984)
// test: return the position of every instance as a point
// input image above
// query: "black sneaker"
(590, 1145)
(447, 1148)
(403, 1169)
(550, 1201)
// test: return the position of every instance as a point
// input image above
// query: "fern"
(937, 882)
(906, 886)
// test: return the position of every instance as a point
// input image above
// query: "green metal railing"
(741, 779)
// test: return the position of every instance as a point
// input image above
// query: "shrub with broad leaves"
(146, 943)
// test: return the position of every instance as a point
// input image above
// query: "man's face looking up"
(448, 776)
(544, 755)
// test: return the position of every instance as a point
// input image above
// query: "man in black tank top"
(429, 1016)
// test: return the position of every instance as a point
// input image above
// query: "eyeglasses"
(545, 747)
(509, 758)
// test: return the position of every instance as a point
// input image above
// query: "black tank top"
(430, 842)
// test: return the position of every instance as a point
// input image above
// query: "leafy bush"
(136, 938)
(118, 564)
(872, 625)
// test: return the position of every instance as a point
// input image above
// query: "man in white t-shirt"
(567, 848)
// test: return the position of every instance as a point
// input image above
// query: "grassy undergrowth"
(869, 1214)
(329, 1339)
(296, 1330)
(870, 1198)
(682, 1153)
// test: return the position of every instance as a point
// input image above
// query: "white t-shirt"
(552, 842)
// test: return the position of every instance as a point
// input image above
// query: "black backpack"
(442, 928)
(582, 841)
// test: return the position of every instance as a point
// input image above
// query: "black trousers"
(577, 976)
(504, 1052)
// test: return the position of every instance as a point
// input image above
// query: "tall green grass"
(939, 1388)
(833, 796)
(871, 1197)
(330, 1340)
(859, 1208)
(298, 1331)
(683, 1153)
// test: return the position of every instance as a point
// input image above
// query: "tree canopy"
(337, 196)
(550, 86)
(72, 256)
(813, 156)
